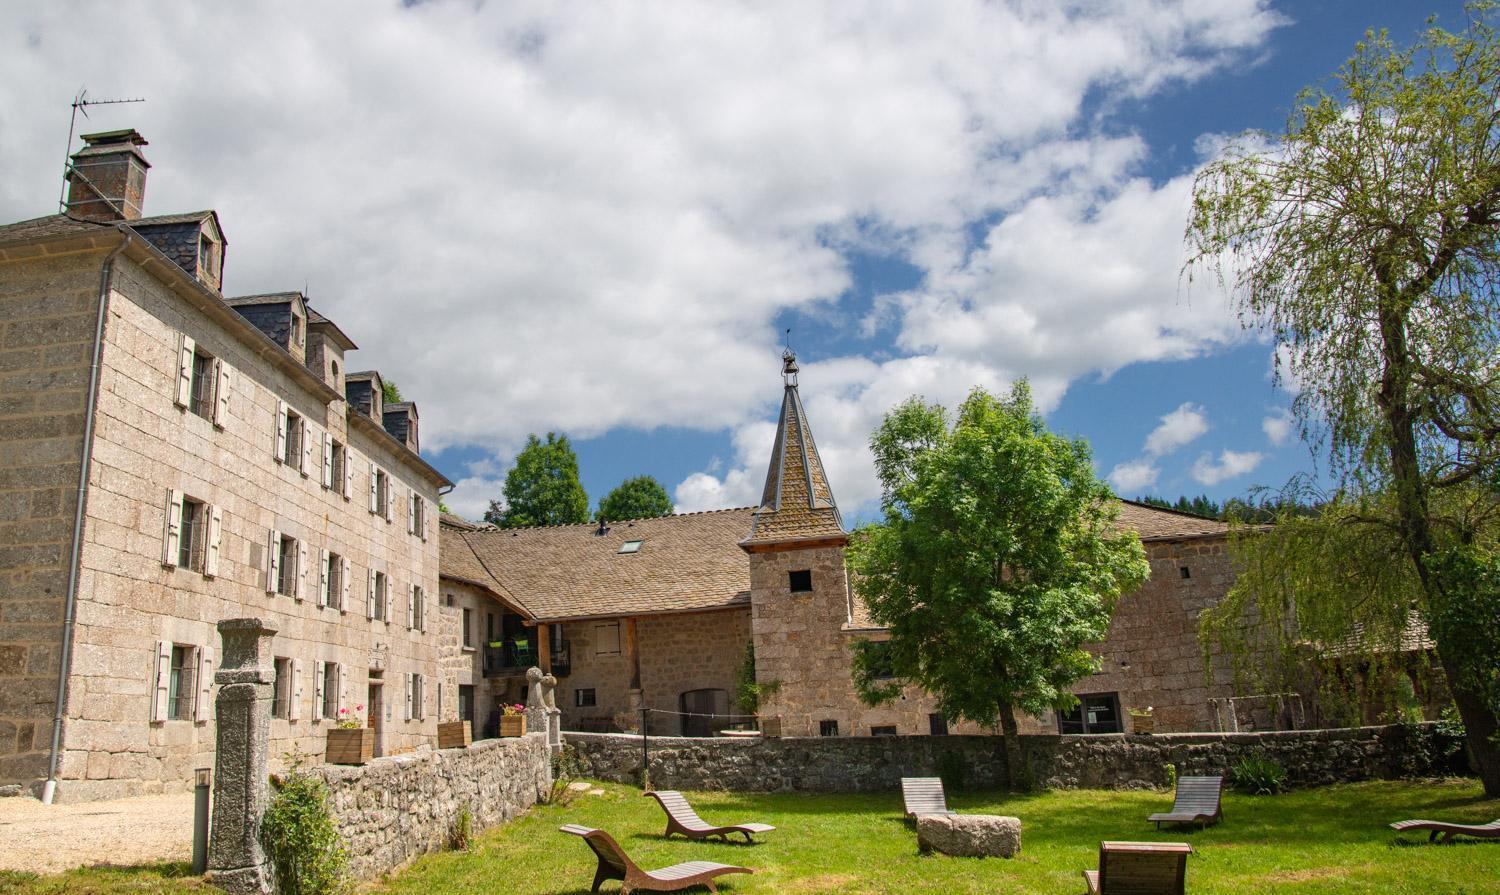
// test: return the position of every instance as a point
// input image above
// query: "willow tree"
(996, 559)
(1364, 240)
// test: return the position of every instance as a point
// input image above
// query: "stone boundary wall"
(398, 808)
(1105, 761)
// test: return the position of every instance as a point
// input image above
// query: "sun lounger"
(615, 864)
(1198, 802)
(924, 795)
(1437, 828)
(1139, 868)
(681, 818)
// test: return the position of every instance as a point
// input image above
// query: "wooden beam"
(632, 654)
(544, 647)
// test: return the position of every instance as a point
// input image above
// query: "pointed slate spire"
(797, 504)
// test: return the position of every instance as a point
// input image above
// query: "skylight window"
(630, 547)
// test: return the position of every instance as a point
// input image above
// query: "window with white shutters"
(419, 606)
(289, 559)
(332, 686)
(289, 436)
(182, 689)
(202, 399)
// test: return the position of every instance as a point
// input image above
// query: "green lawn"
(1325, 840)
(1331, 840)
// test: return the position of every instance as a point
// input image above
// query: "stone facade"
(1117, 761)
(462, 664)
(693, 651)
(395, 809)
(600, 675)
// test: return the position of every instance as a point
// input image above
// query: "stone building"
(169, 457)
(660, 613)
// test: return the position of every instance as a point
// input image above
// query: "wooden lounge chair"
(615, 864)
(681, 818)
(1139, 868)
(924, 795)
(1437, 828)
(1198, 802)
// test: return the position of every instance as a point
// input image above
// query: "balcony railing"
(510, 659)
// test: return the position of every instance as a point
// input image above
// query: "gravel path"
(51, 838)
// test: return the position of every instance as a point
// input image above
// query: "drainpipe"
(106, 277)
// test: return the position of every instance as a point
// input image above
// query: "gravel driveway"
(51, 838)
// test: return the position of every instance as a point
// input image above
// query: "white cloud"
(538, 216)
(1230, 464)
(1277, 426)
(1177, 428)
(1133, 477)
(471, 496)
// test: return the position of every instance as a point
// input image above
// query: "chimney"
(107, 179)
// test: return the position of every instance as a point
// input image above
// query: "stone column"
(246, 677)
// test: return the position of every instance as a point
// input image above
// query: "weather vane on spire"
(789, 362)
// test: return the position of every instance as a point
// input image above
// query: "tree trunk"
(1479, 729)
(1016, 771)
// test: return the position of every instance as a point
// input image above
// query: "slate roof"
(1161, 524)
(52, 225)
(797, 503)
(688, 562)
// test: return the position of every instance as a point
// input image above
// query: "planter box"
(1142, 724)
(350, 746)
(512, 725)
(455, 734)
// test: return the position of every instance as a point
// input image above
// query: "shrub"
(1258, 775)
(300, 838)
(462, 833)
(1169, 771)
(566, 767)
(953, 770)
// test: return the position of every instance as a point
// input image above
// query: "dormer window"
(206, 254)
(296, 330)
(630, 547)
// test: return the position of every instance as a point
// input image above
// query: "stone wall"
(395, 809)
(701, 650)
(1119, 761)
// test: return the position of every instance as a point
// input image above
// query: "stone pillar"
(246, 677)
(536, 703)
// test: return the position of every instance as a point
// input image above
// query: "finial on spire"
(789, 368)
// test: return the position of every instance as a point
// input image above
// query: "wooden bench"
(1139, 868)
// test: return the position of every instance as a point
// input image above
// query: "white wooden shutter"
(273, 560)
(325, 560)
(348, 485)
(411, 512)
(385, 597)
(163, 680)
(370, 595)
(301, 579)
(327, 460)
(343, 690)
(374, 482)
(294, 709)
(343, 596)
(390, 498)
(411, 607)
(318, 684)
(422, 610)
(171, 539)
(410, 684)
(307, 448)
(422, 697)
(203, 706)
(427, 520)
(215, 516)
(281, 410)
(185, 349)
(223, 385)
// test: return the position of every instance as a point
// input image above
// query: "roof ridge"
(1173, 510)
(594, 523)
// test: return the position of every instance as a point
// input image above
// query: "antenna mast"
(81, 103)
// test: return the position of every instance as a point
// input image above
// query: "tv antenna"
(81, 103)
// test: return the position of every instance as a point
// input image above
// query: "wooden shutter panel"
(327, 460)
(281, 410)
(390, 498)
(422, 607)
(343, 596)
(273, 560)
(343, 690)
(223, 385)
(422, 697)
(294, 710)
(319, 670)
(171, 539)
(163, 680)
(411, 512)
(370, 595)
(307, 448)
(411, 607)
(385, 597)
(185, 350)
(374, 495)
(203, 707)
(215, 516)
(325, 559)
(348, 473)
(301, 579)
(410, 683)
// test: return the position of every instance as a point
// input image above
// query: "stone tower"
(798, 586)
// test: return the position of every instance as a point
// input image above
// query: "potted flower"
(1141, 720)
(349, 740)
(513, 720)
(455, 734)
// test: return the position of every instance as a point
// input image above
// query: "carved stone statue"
(536, 700)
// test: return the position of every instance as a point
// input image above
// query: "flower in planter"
(512, 709)
(348, 720)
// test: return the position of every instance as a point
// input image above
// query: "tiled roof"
(797, 503)
(685, 563)
(189, 217)
(454, 521)
(456, 560)
(268, 298)
(47, 227)
(1161, 524)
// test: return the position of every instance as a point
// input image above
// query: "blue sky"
(599, 219)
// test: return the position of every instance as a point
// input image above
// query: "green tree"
(1364, 239)
(996, 559)
(543, 487)
(642, 497)
(390, 391)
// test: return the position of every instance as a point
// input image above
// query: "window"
(201, 395)
(205, 254)
(382, 597)
(416, 522)
(489, 627)
(468, 640)
(333, 682)
(286, 555)
(1095, 713)
(418, 608)
(583, 697)
(380, 494)
(449, 600)
(336, 467)
(281, 694)
(465, 702)
(828, 728)
(332, 592)
(800, 581)
(877, 654)
(296, 330)
(937, 725)
(194, 537)
(292, 455)
(630, 547)
(884, 730)
(1186, 572)
(181, 690)
(416, 697)
(607, 639)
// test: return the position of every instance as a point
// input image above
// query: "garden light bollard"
(201, 781)
(236, 861)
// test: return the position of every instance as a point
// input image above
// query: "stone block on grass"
(969, 835)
